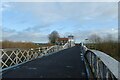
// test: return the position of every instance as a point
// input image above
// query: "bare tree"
(53, 37)
(109, 38)
(94, 38)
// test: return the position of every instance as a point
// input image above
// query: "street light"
(86, 41)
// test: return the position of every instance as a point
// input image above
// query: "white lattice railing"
(102, 65)
(13, 57)
(68, 44)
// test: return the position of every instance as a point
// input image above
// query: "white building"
(71, 40)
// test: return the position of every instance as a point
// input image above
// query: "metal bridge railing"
(13, 57)
(68, 44)
(102, 65)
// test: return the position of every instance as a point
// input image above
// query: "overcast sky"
(33, 21)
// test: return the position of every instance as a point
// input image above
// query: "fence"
(10, 58)
(68, 44)
(13, 57)
(101, 65)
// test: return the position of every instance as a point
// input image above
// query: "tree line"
(107, 44)
(26, 45)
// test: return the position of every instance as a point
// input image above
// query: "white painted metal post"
(28, 55)
(17, 52)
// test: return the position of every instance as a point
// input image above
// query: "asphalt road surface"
(63, 64)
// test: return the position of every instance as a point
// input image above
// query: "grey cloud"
(53, 12)
(38, 28)
(24, 36)
(81, 35)
(8, 32)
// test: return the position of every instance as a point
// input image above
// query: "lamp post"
(86, 41)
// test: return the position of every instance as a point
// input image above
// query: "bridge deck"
(64, 64)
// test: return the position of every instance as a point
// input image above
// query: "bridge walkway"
(63, 64)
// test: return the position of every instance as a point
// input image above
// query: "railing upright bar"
(16, 58)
